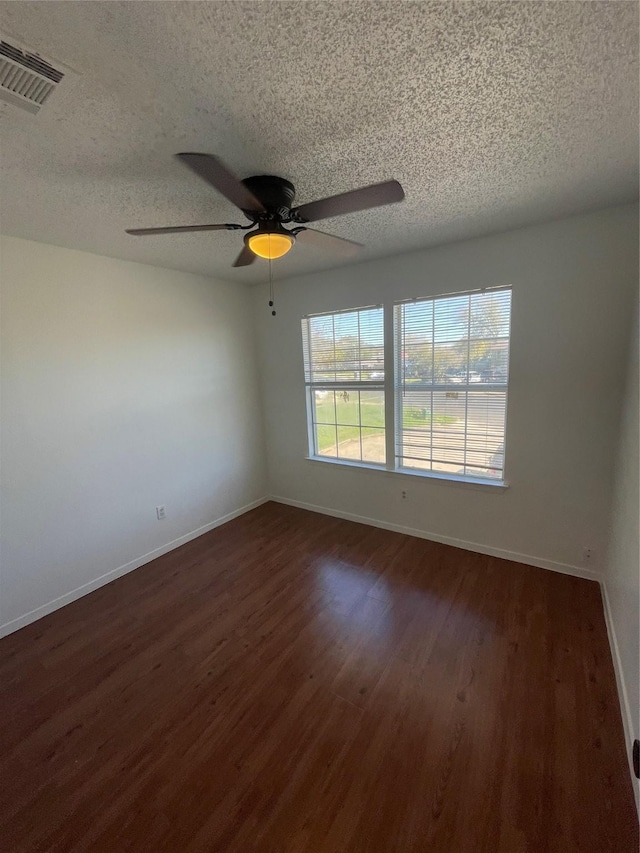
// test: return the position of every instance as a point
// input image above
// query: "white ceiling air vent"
(26, 80)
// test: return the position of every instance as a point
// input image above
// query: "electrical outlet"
(587, 554)
(405, 496)
(161, 512)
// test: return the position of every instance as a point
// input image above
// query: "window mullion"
(433, 382)
(466, 396)
(360, 419)
(311, 419)
(389, 387)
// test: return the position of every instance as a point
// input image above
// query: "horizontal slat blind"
(344, 346)
(344, 375)
(451, 363)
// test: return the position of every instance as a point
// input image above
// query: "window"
(452, 361)
(344, 375)
(450, 357)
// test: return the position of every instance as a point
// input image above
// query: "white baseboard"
(90, 586)
(623, 696)
(539, 562)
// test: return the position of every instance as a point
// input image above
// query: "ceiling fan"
(267, 202)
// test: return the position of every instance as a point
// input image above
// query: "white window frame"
(390, 387)
(352, 385)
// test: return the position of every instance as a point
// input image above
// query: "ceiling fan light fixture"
(270, 244)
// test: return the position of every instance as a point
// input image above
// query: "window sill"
(447, 479)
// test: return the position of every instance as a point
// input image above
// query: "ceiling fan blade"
(245, 258)
(362, 199)
(330, 242)
(214, 172)
(180, 229)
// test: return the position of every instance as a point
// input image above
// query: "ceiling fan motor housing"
(276, 194)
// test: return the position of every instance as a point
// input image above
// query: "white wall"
(124, 386)
(573, 286)
(622, 570)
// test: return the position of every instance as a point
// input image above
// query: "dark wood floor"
(292, 682)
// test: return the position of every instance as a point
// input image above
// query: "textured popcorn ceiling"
(492, 115)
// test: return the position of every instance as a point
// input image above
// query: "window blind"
(344, 346)
(451, 378)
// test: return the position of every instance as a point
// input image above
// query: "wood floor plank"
(295, 683)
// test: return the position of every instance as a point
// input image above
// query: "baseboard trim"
(90, 586)
(623, 696)
(514, 556)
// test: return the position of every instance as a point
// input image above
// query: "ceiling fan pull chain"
(271, 299)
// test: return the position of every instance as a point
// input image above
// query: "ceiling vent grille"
(26, 80)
